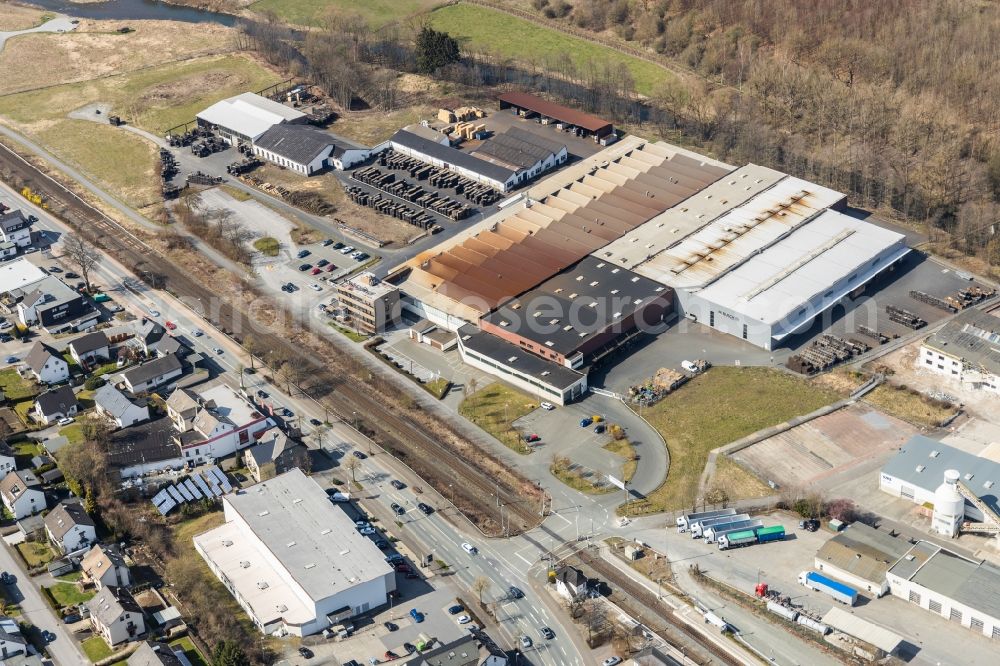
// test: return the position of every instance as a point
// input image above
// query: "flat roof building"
(245, 117)
(966, 349)
(526, 103)
(580, 314)
(956, 588)
(498, 176)
(371, 304)
(293, 560)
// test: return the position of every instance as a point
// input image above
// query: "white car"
(197, 332)
(66, 420)
(463, 619)
(316, 287)
(611, 661)
(154, 313)
(6, 325)
(469, 548)
(547, 406)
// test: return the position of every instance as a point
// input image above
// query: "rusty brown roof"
(556, 111)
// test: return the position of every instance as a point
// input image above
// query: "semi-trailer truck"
(750, 536)
(698, 528)
(820, 583)
(684, 521)
(713, 533)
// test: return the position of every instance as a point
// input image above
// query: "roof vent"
(289, 544)
(262, 585)
(245, 564)
(227, 543)
(935, 454)
(920, 468)
(511, 359)
(263, 513)
(282, 608)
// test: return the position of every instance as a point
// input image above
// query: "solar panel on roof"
(195, 493)
(175, 494)
(185, 493)
(213, 483)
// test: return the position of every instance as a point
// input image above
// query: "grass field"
(67, 594)
(267, 246)
(622, 447)
(14, 17)
(14, 387)
(494, 407)
(909, 406)
(737, 482)
(35, 554)
(370, 129)
(716, 408)
(311, 12)
(96, 649)
(480, 28)
(579, 478)
(190, 651)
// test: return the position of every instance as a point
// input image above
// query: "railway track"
(469, 488)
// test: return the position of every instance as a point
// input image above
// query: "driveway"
(60, 23)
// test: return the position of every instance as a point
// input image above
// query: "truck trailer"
(773, 533)
(820, 583)
(684, 521)
(751, 536)
(713, 533)
(698, 528)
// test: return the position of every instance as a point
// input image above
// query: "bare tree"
(352, 466)
(250, 344)
(83, 254)
(480, 586)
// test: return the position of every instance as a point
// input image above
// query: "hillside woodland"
(895, 102)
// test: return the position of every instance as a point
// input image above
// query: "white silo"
(949, 506)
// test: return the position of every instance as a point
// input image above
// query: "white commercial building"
(306, 149)
(245, 117)
(956, 588)
(293, 560)
(966, 349)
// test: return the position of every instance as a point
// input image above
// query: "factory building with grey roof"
(966, 349)
(956, 588)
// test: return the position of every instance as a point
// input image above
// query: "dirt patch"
(96, 49)
(181, 88)
(841, 380)
(15, 17)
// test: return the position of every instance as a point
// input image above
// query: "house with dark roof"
(146, 447)
(115, 616)
(147, 335)
(570, 582)
(22, 494)
(119, 408)
(528, 153)
(70, 528)
(104, 566)
(90, 347)
(12, 642)
(151, 374)
(46, 364)
(275, 454)
(156, 653)
(306, 149)
(55, 404)
(15, 228)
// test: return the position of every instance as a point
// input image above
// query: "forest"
(893, 102)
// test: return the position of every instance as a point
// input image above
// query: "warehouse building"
(244, 118)
(547, 379)
(759, 255)
(918, 470)
(966, 349)
(581, 314)
(497, 176)
(292, 560)
(861, 556)
(529, 154)
(529, 105)
(306, 149)
(957, 588)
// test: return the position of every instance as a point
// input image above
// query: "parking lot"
(560, 434)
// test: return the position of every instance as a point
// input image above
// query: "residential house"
(15, 228)
(214, 423)
(70, 528)
(274, 454)
(12, 643)
(55, 404)
(90, 347)
(46, 364)
(115, 616)
(155, 653)
(153, 446)
(103, 566)
(119, 408)
(37, 298)
(152, 374)
(147, 336)
(570, 582)
(464, 651)
(22, 494)
(7, 461)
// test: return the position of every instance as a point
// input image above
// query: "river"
(134, 10)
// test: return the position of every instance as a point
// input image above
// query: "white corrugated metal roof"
(867, 631)
(249, 114)
(816, 259)
(745, 230)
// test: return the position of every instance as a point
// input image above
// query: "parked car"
(361, 256)
(546, 633)
(303, 254)
(331, 268)
(171, 326)
(7, 578)
(48, 636)
(391, 626)
(381, 544)
(611, 661)
(412, 574)
(262, 394)
(410, 648)
(586, 421)
(305, 267)
(316, 287)
(72, 276)
(456, 609)
(532, 438)
(338, 245)
(305, 652)
(599, 428)
(463, 619)
(417, 616)
(55, 269)
(390, 655)
(425, 509)
(71, 618)
(469, 548)
(197, 332)
(328, 242)
(218, 350)
(347, 249)
(547, 406)
(397, 509)
(360, 455)
(316, 271)
(12, 359)
(315, 422)
(322, 262)
(287, 413)
(66, 420)
(152, 312)
(526, 641)
(398, 485)
(5, 337)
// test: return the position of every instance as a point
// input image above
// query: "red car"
(170, 325)
(316, 271)
(330, 268)
(532, 438)
(390, 655)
